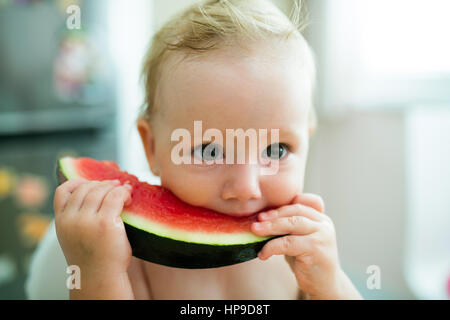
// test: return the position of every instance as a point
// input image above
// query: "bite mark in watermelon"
(163, 229)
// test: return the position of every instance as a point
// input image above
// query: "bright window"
(383, 53)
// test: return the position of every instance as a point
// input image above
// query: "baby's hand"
(88, 225)
(309, 247)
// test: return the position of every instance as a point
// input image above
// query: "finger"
(297, 225)
(296, 209)
(63, 193)
(76, 199)
(311, 200)
(129, 199)
(114, 201)
(288, 245)
(93, 200)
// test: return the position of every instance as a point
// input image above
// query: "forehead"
(267, 86)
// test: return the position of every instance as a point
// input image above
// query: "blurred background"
(380, 157)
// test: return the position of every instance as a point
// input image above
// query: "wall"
(356, 163)
(427, 263)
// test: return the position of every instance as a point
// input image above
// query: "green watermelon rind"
(143, 224)
(188, 255)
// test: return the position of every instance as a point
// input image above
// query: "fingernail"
(267, 215)
(257, 225)
(260, 225)
(129, 187)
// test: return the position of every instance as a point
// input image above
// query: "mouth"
(243, 213)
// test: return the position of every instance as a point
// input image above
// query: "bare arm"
(92, 237)
(101, 286)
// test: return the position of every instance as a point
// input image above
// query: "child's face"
(268, 89)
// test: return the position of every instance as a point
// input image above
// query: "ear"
(148, 141)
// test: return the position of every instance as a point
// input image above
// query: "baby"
(229, 64)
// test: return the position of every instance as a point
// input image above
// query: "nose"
(243, 183)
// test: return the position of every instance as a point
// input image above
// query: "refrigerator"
(57, 97)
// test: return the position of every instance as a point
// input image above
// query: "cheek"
(191, 186)
(281, 188)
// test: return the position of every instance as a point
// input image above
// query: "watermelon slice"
(163, 229)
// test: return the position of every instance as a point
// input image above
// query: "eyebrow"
(290, 134)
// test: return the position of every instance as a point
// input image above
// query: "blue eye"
(276, 151)
(208, 152)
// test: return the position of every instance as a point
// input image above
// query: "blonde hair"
(213, 24)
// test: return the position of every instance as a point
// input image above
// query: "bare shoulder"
(274, 275)
(280, 266)
(255, 279)
(139, 281)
